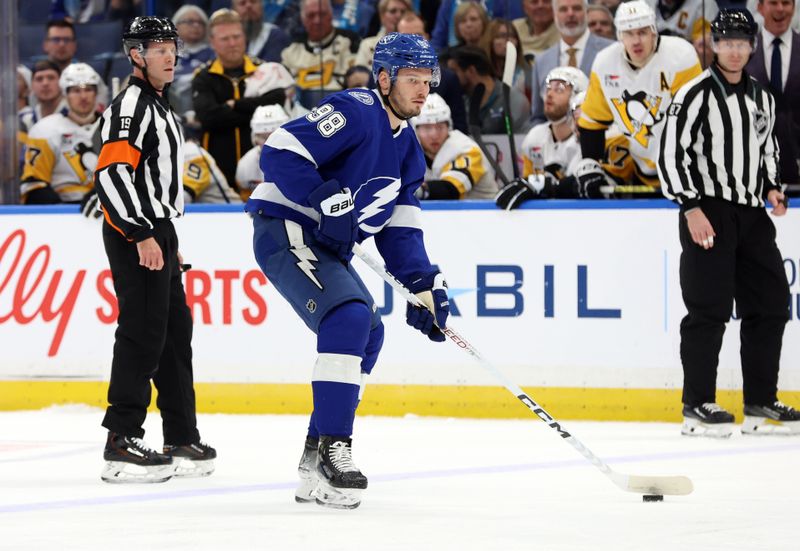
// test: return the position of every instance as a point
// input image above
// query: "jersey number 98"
(328, 121)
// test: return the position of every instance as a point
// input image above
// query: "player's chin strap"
(143, 69)
(388, 102)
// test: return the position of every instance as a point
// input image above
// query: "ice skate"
(708, 419)
(130, 460)
(307, 471)
(777, 419)
(340, 482)
(191, 460)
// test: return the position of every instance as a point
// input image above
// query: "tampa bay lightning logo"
(374, 201)
(364, 97)
(388, 38)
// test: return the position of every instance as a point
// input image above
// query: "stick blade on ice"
(658, 485)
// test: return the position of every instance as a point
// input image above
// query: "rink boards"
(578, 302)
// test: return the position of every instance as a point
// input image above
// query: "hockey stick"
(508, 79)
(638, 190)
(654, 485)
(475, 130)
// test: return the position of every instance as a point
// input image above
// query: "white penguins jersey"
(203, 181)
(59, 153)
(636, 100)
(461, 162)
(248, 171)
(686, 18)
(540, 149)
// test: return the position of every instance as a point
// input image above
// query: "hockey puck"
(653, 497)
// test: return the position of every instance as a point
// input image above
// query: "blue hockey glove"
(432, 291)
(338, 222)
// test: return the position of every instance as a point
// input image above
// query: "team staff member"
(139, 184)
(719, 162)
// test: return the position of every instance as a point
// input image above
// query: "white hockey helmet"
(572, 76)
(435, 110)
(634, 15)
(267, 118)
(78, 74)
(577, 101)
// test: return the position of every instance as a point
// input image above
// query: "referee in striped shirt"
(719, 162)
(139, 183)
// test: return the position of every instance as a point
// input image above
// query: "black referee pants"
(153, 341)
(744, 264)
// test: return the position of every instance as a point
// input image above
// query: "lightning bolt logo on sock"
(306, 256)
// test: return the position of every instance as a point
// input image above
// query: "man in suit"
(577, 48)
(776, 64)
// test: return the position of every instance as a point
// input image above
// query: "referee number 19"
(328, 121)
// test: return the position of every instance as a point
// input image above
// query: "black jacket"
(226, 131)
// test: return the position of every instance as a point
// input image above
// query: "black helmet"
(146, 29)
(734, 23)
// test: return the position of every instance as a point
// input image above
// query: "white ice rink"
(434, 484)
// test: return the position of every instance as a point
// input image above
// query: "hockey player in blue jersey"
(344, 173)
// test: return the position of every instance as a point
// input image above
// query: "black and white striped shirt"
(139, 174)
(718, 142)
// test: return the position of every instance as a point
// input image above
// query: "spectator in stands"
(472, 66)
(612, 5)
(577, 48)
(684, 18)
(390, 13)
(449, 86)
(471, 21)
(358, 76)
(87, 11)
(501, 32)
(264, 40)
(457, 168)
(353, 15)
(320, 59)
(537, 30)
(60, 44)
(59, 157)
(192, 24)
(775, 63)
(46, 93)
(221, 102)
(284, 14)
(265, 121)
(444, 34)
(203, 181)
(600, 21)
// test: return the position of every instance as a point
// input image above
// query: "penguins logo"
(639, 113)
(83, 161)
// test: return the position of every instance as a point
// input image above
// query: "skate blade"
(187, 468)
(119, 472)
(337, 498)
(695, 427)
(762, 426)
(305, 492)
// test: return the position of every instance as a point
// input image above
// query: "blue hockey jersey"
(348, 138)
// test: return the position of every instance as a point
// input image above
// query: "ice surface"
(434, 484)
